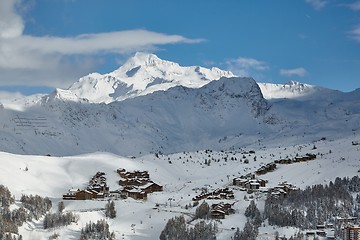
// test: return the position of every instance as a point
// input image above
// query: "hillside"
(183, 175)
(191, 108)
(192, 132)
(166, 121)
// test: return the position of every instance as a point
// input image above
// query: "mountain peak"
(294, 83)
(146, 58)
(142, 59)
(142, 74)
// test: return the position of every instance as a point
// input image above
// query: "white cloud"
(355, 33)
(354, 6)
(22, 56)
(317, 4)
(246, 67)
(300, 72)
(8, 96)
(11, 24)
(29, 52)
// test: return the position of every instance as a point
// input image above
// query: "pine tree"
(253, 213)
(202, 211)
(61, 206)
(110, 210)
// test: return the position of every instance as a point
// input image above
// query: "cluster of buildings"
(220, 210)
(137, 184)
(265, 169)
(307, 157)
(348, 227)
(281, 190)
(325, 231)
(221, 193)
(96, 189)
(351, 232)
(249, 182)
(345, 228)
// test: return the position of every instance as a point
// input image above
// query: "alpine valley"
(154, 141)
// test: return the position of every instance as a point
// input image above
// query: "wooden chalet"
(283, 161)
(282, 190)
(135, 174)
(84, 195)
(249, 184)
(220, 210)
(71, 194)
(134, 193)
(288, 187)
(121, 171)
(307, 157)
(265, 169)
(133, 182)
(252, 185)
(96, 189)
(152, 187)
(222, 193)
(218, 214)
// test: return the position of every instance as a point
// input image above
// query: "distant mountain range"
(153, 105)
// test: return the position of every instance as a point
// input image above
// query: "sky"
(52, 43)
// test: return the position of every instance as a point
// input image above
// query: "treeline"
(52, 220)
(10, 220)
(176, 228)
(59, 219)
(251, 228)
(36, 205)
(97, 231)
(314, 205)
(32, 207)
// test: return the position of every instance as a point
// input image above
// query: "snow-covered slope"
(183, 175)
(140, 75)
(296, 90)
(167, 121)
(199, 109)
(154, 106)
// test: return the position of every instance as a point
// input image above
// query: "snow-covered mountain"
(167, 121)
(140, 75)
(152, 105)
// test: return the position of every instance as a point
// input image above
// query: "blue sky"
(51, 43)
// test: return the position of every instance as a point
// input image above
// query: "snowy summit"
(140, 75)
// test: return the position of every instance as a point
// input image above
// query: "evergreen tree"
(61, 206)
(248, 233)
(110, 210)
(97, 231)
(177, 229)
(253, 213)
(202, 211)
(52, 220)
